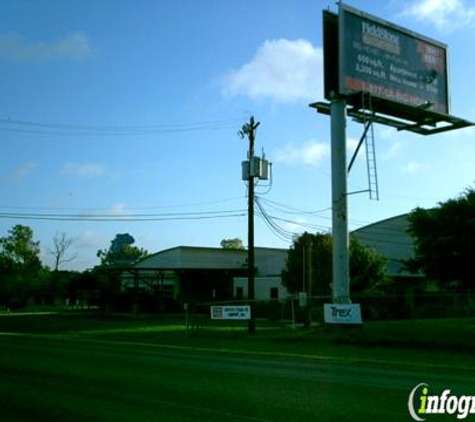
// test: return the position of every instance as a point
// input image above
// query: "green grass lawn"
(448, 340)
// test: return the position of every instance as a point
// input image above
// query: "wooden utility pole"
(249, 130)
(309, 276)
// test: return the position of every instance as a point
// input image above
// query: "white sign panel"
(335, 313)
(231, 312)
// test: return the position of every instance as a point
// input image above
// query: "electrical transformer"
(257, 167)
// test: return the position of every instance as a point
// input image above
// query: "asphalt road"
(43, 379)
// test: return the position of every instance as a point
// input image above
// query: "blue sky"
(120, 108)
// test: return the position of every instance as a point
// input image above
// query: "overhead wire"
(125, 210)
(292, 210)
(275, 228)
(282, 233)
(271, 222)
(383, 233)
(200, 215)
(23, 126)
(302, 224)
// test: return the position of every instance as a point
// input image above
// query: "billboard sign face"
(390, 63)
(231, 312)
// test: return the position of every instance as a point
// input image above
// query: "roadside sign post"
(292, 306)
(303, 299)
(187, 325)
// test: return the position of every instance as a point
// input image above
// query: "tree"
(235, 244)
(293, 273)
(121, 252)
(20, 265)
(367, 270)
(444, 242)
(20, 249)
(61, 244)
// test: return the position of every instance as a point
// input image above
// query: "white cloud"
(311, 153)
(445, 15)
(385, 132)
(412, 167)
(89, 239)
(281, 70)
(393, 150)
(22, 172)
(352, 144)
(119, 210)
(84, 171)
(75, 46)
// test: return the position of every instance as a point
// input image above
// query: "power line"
(292, 210)
(22, 126)
(124, 210)
(271, 222)
(125, 217)
(280, 232)
(302, 224)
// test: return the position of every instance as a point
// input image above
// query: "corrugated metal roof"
(268, 260)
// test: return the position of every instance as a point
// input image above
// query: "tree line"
(444, 252)
(24, 279)
(443, 240)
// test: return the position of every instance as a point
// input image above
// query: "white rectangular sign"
(231, 312)
(335, 313)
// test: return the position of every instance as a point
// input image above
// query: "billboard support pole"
(340, 263)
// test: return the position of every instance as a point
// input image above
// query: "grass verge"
(449, 341)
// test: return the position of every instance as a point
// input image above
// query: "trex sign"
(335, 313)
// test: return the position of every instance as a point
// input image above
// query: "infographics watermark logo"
(421, 403)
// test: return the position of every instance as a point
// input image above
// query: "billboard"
(389, 63)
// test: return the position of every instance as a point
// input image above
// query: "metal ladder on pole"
(371, 164)
(371, 157)
(368, 139)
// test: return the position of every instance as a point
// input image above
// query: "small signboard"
(303, 299)
(335, 313)
(231, 312)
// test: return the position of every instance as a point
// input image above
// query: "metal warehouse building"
(200, 274)
(390, 238)
(187, 274)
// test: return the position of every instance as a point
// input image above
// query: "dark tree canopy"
(19, 250)
(293, 273)
(235, 243)
(367, 270)
(21, 270)
(444, 242)
(121, 252)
